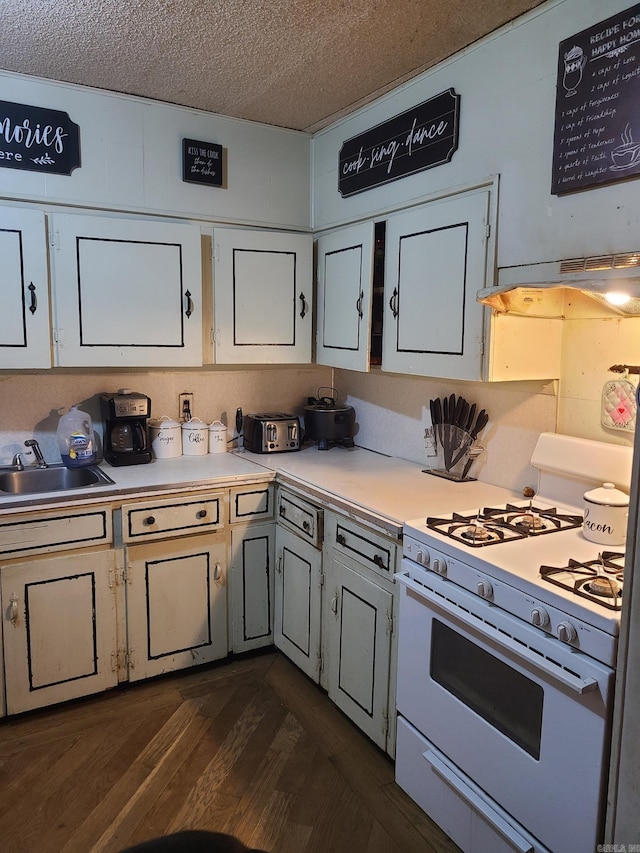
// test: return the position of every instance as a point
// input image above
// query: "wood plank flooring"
(250, 747)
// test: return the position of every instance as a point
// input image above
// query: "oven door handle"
(565, 677)
(479, 805)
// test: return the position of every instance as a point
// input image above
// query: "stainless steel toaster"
(271, 432)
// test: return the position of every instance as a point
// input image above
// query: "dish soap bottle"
(76, 440)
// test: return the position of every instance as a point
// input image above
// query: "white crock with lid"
(606, 510)
(195, 437)
(165, 435)
(217, 437)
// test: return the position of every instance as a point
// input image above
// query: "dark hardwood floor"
(250, 747)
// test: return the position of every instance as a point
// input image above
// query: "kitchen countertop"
(385, 491)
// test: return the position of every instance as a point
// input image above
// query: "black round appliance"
(328, 423)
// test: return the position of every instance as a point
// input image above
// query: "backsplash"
(33, 402)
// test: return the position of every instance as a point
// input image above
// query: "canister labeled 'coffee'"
(195, 438)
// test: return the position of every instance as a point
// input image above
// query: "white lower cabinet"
(59, 628)
(176, 604)
(358, 617)
(58, 594)
(356, 639)
(175, 580)
(298, 585)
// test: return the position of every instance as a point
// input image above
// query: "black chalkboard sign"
(418, 139)
(202, 162)
(37, 139)
(597, 122)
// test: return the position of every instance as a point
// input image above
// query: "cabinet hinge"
(215, 251)
(321, 579)
(487, 230)
(54, 240)
(126, 659)
(389, 623)
(320, 664)
(385, 723)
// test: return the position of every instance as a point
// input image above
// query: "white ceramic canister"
(606, 510)
(217, 437)
(165, 435)
(195, 437)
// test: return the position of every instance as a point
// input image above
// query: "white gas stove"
(508, 634)
(530, 558)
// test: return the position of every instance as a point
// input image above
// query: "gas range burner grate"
(493, 525)
(597, 580)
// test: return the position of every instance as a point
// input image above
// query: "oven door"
(519, 713)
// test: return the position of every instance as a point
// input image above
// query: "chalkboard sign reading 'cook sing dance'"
(420, 138)
(597, 127)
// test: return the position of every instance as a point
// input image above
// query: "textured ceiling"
(293, 63)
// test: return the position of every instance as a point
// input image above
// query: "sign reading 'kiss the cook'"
(37, 139)
(420, 138)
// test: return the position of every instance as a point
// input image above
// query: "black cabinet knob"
(202, 513)
(150, 519)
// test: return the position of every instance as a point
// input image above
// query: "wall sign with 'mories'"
(37, 139)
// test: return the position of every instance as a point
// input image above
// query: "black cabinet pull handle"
(283, 511)
(304, 306)
(377, 559)
(359, 304)
(34, 299)
(340, 539)
(306, 526)
(393, 302)
(202, 513)
(150, 519)
(189, 303)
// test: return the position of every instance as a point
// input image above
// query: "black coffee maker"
(126, 437)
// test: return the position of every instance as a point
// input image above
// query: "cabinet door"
(24, 290)
(251, 586)
(356, 631)
(345, 286)
(176, 604)
(263, 297)
(296, 629)
(59, 625)
(435, 261)
(126, 293)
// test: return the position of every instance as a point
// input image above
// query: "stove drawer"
(468, 816)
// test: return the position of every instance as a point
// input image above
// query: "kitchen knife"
(470, 417)
(481, 421)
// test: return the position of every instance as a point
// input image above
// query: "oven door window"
(508, 700)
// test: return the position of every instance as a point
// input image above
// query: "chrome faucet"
(17, 463)
(33, 444)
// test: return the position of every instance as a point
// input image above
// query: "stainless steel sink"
(54, 478)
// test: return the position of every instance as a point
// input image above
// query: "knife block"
(450, 453)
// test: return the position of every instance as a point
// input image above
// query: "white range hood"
(547, 289)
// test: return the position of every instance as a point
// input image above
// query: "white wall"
(507, 84)
(131, 159)
(392, 412)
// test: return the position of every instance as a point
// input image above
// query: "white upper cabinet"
(263, 296)
(345, 286)
(126, 292)
(435, 261)
(24, 290)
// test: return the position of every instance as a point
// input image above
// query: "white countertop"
(183, 473)
(389, 489)
(386, 491)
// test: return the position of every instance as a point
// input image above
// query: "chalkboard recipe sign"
(202, 162)
(418, 139)
(37, 139)
(597, 121)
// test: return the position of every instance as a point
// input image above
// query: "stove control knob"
(539, 617)
(566, 632)
(439, 566)
(484, 589)
(422, 558)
